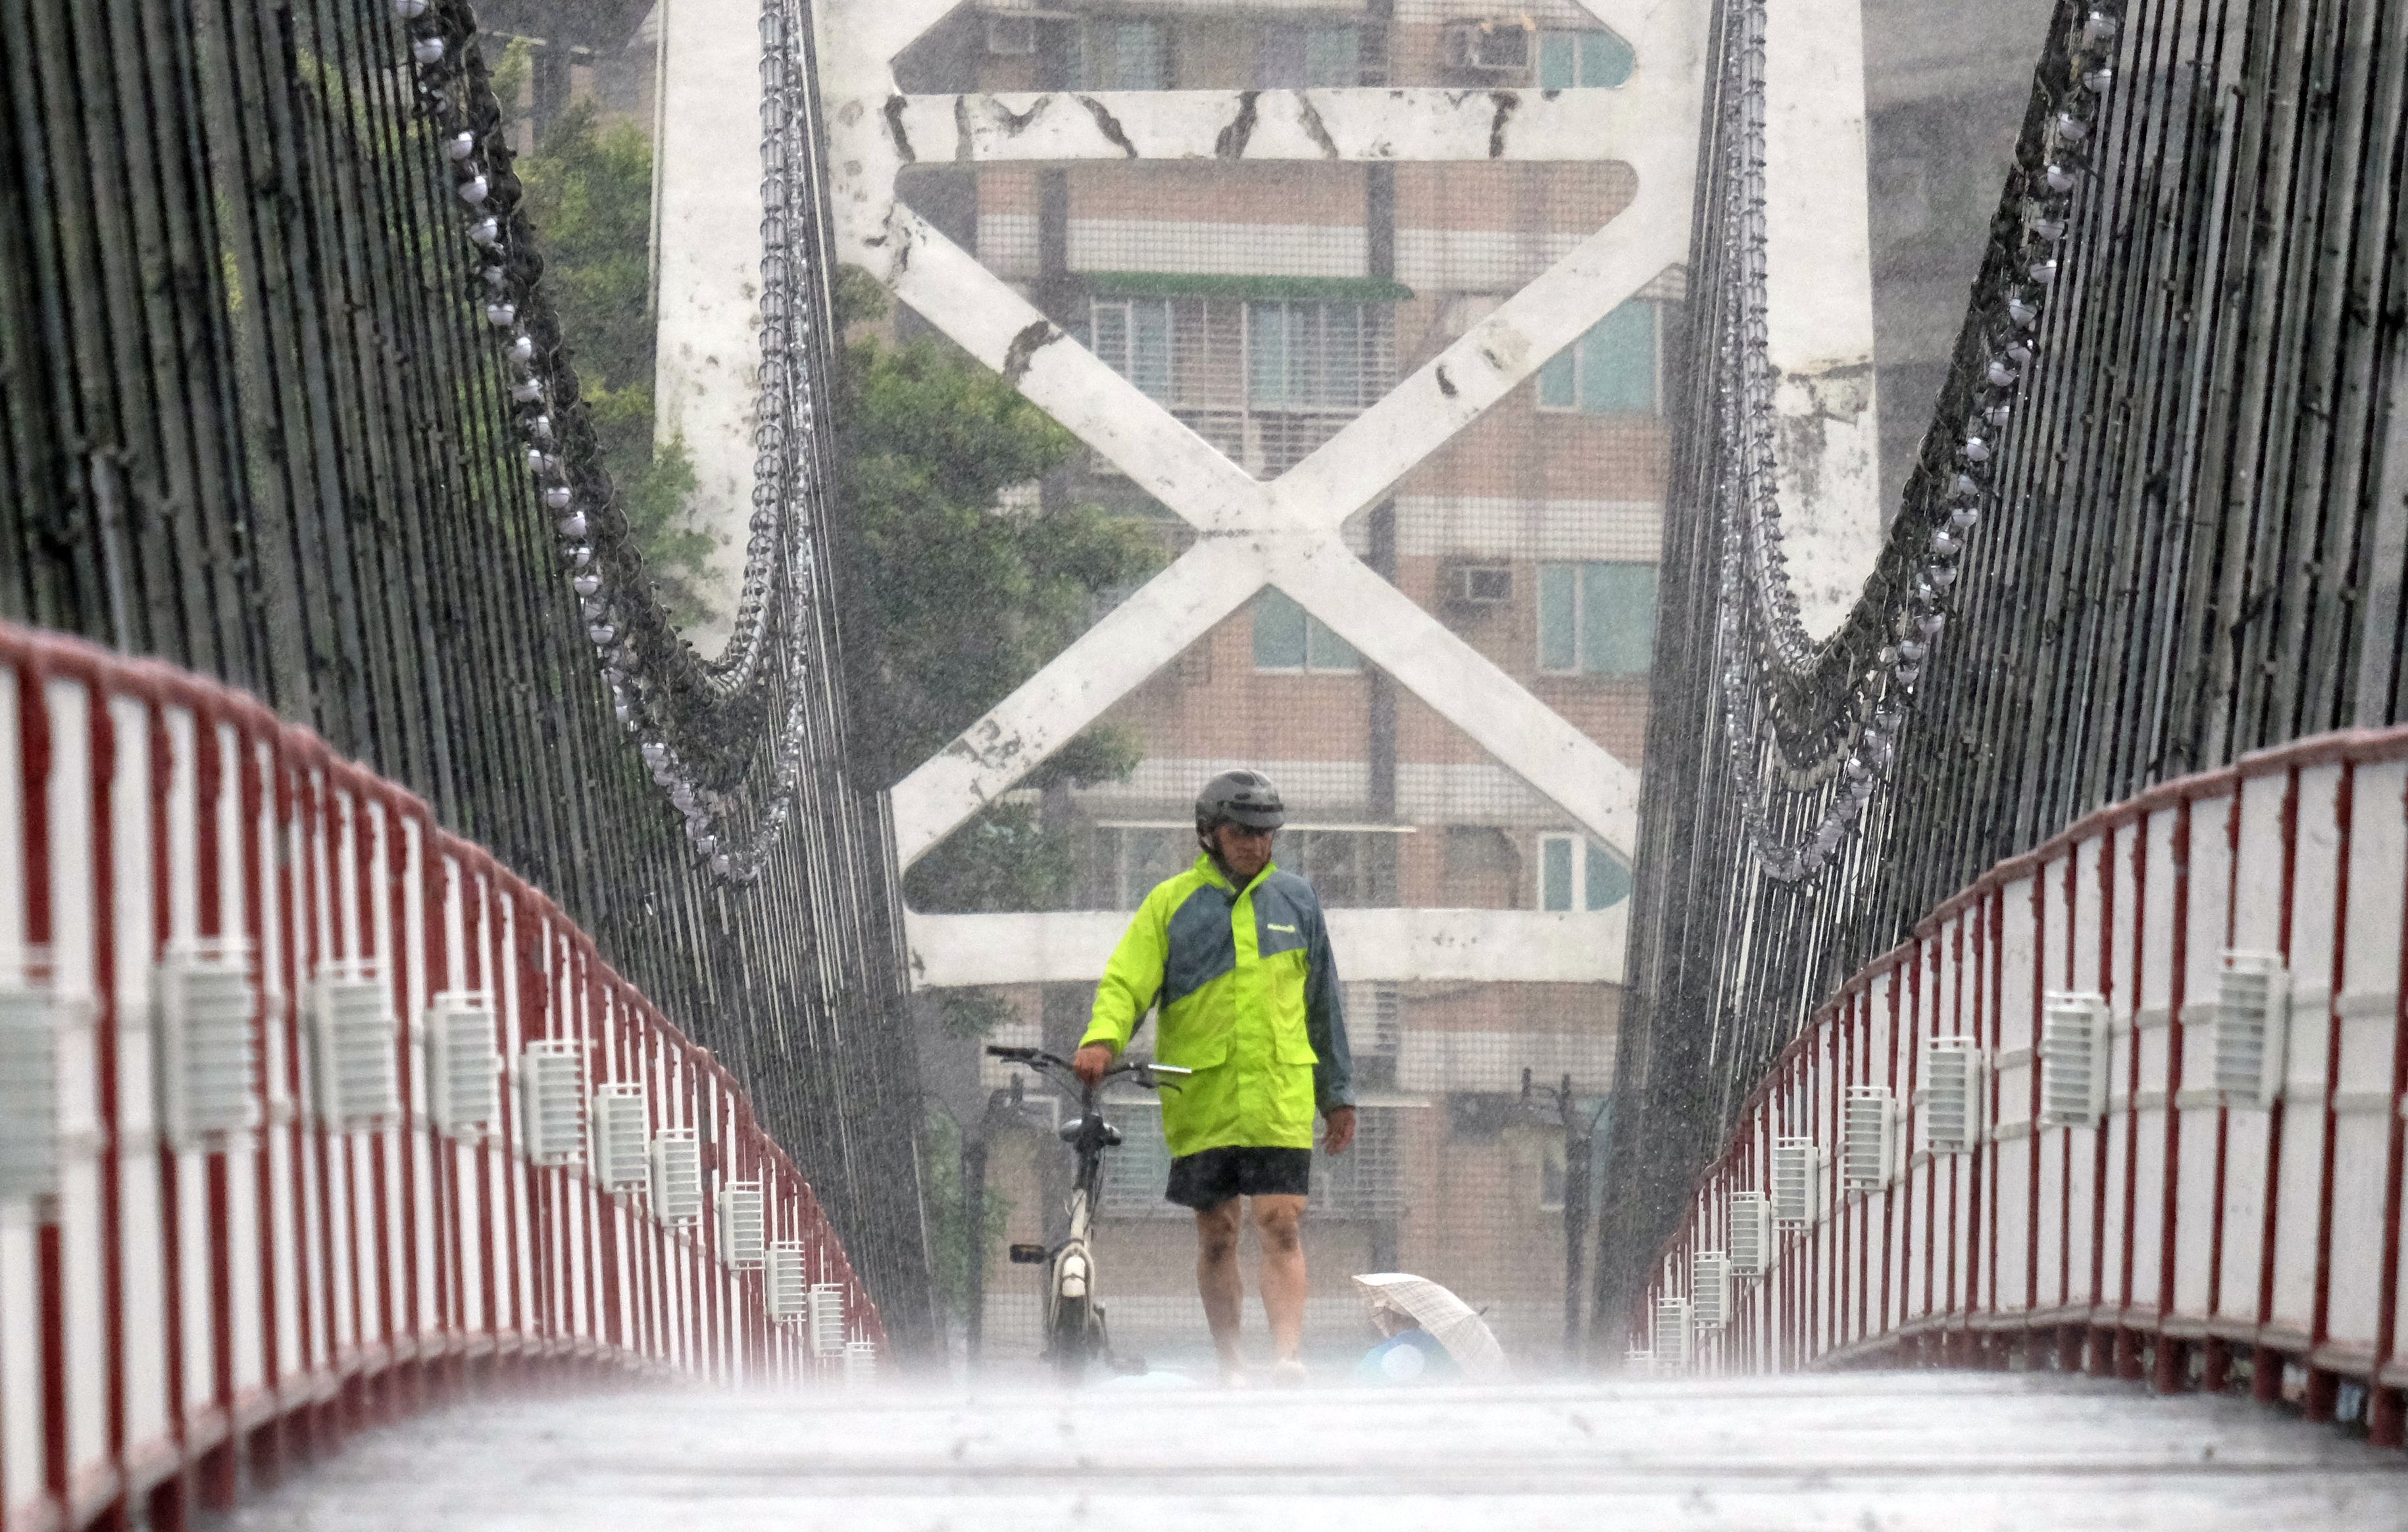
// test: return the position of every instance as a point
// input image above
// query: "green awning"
(1208, 284)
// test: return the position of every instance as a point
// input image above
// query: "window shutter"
(2253, 1023)
(29, 1087)
(1797, 1182)
(1671, 1335)
(1751, 1234)
(463, 1062)
(787, 1291)
(210, 1068)
(1871, 1138)
(677, 1178)
(352, 1032)
(2074, 1060)
(619, 1137)
(551, 1101)
(1710, 1275)
(827, 1319)
(741, 1227)
(1952, 1077)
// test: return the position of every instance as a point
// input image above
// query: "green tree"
(589, 195)
(955, 1248)
(967, 597)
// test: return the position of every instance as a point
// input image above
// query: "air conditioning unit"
(2072, 1061)
(551, 1101)
(677, 1178)
(1955, 1075)
(860, 1363)
(1479, 584)
(202, 1008)
(464, 1062)
(1671, 1336)
(742, 1225)
(1710, 1275)
(789, 1288)
(1869, 1138)
(1012, 36)
(353, 1036)
(621, 1135)
(29, 1087)
(1498, 50)
(1797, 1182)
(827, 1319)
(2253, 1027)
(1751, 1234)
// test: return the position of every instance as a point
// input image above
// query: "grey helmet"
(1239, 797)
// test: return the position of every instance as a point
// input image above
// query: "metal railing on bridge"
(288, 402)
(311, 1110)
(2134, 1102)
(2159, 520)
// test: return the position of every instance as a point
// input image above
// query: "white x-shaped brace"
(1285, 533)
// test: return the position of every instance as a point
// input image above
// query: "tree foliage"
(968, 592)
(589, 195)
(953, 1243)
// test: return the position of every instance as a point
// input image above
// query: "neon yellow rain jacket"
(1248, 997)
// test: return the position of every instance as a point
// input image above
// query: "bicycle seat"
(1070, 1129)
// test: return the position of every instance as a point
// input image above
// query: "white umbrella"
(1462, 1332)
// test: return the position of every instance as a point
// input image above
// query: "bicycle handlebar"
(1040, 1060)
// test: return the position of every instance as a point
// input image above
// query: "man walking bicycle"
(1236, 955)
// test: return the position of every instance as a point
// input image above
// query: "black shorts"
(1210, 1176)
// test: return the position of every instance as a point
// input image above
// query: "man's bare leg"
(1279, 1222)
(1217, 1279)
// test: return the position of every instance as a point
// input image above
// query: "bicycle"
(1075, 1332)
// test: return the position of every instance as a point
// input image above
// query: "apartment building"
(1266, 305)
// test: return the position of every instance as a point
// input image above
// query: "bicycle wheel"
(1072, 1341)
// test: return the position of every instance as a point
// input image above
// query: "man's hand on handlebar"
(1089, 1064)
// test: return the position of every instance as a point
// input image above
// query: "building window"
(1288, 637)
(1551, 1161)
(1334, 861)
(1306, 355)
(1595, 619)
(1132, 335)
(1551, 1177)
(1571, 59)
(1135, 1172)
(1141, 857)
(1123, 54)
(1577, 874)
(1611, 370)
(1302, 57)
(1365, 1181)
(1265, 354)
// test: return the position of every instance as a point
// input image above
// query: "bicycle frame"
(1074, 1319)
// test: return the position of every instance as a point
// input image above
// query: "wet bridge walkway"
(1956, 1451)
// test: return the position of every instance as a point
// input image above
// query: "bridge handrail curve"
(176, 1309)
(2188, 1231)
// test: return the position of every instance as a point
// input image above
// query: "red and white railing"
(2204, 988)
(248, 1200)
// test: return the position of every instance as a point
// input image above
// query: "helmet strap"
(1211, 841)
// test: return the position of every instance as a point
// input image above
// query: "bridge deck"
(1865, 1451)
